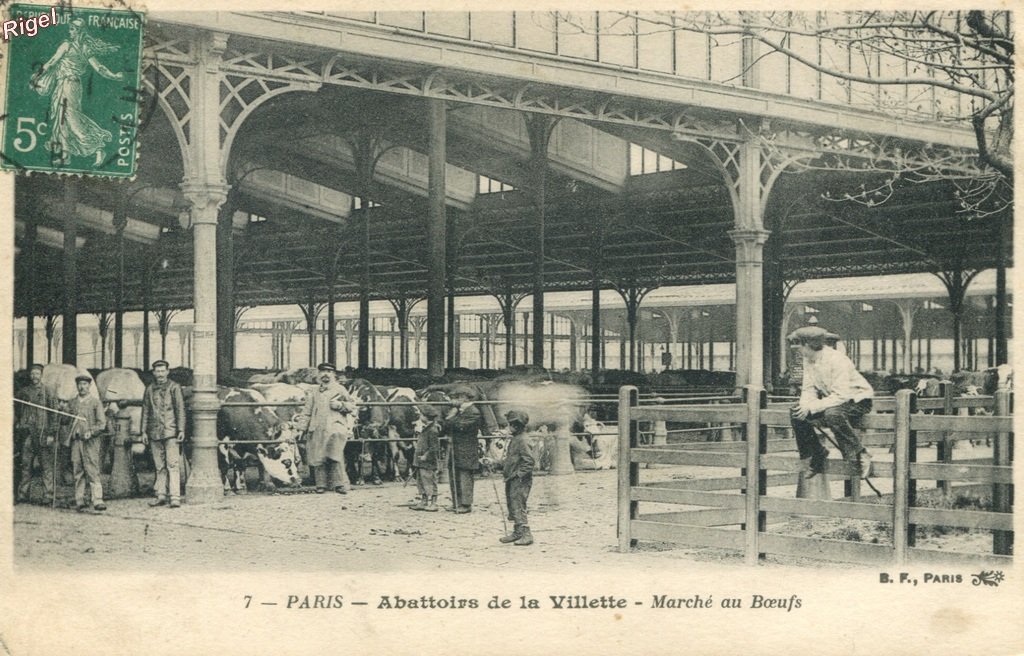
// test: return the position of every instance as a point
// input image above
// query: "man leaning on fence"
(163, 427)
(833, 394)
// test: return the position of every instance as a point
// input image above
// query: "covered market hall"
(319, 160)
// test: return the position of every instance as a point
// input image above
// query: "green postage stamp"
(73, 88)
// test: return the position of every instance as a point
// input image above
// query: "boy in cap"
(519, 463)
(35, 426)
(163, 428)
(834, 393)
(427, 448)
(85, 444)
(328, 417)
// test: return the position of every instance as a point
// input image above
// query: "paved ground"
(573, 519)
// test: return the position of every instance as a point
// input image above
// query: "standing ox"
(277, 460)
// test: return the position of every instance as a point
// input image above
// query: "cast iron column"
(436, 237)
(69, 325)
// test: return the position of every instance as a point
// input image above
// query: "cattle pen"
(736, 512)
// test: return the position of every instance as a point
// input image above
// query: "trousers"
(85, 462)
(31, 447)
(426, 481)
(166, 461)
(462, 487)
(841, 419)
(328, 474)
(517, 492)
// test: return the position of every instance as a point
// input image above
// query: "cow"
(278, 459)
(404, 423)
(286, 393)
(365, 458)
(599, 450)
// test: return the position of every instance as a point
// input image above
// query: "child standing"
(427, 448)
(519, 463)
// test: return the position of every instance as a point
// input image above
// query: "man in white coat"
(328, 418)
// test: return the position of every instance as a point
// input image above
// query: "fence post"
(756, 483)
(944, 447)
(629, 472)
(901, 528)
(1002, 541)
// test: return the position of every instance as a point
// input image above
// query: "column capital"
(749, 235)
(205, 199)
(749, 245)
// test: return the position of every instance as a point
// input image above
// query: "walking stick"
(501, 508)
(53, 473)
(453, 480)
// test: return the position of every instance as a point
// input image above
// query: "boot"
(517, 532)
(421, 504)
(432, 505)
(525, 538)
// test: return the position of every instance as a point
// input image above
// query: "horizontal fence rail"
(734, 512)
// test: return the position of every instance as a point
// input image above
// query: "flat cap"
(161, 363)
(326, 366)
(36, 366)
(462, 390)
(429, 411)
(517, 417)
(86, 377)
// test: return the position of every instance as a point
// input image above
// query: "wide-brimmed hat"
(812, 336)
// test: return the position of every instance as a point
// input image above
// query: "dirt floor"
(573, 518)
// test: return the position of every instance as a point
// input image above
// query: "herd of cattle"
(256, 423)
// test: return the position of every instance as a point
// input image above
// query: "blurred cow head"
(281, 462)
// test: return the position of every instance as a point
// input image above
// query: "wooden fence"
(727, 516)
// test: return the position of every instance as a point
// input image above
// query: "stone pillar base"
(203, 489)
(120, 473)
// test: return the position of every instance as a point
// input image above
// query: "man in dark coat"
(463, 422)
(35, 427)
(519, 464)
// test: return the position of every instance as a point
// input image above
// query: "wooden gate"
(732, 512)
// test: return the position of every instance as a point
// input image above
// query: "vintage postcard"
(507, 329)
